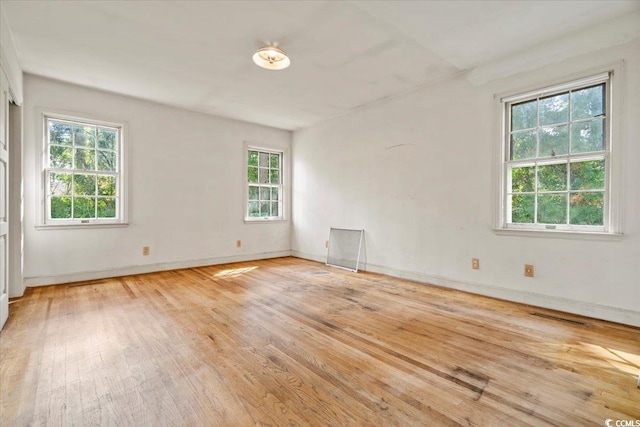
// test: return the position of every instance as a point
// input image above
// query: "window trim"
(283, 192)
(613, 155)
(42, 220)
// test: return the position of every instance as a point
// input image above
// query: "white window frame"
(612, 155)
(282, 188)
(43, 169)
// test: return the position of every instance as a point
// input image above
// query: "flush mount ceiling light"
(271, 58)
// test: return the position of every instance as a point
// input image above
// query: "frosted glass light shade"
(271, 58)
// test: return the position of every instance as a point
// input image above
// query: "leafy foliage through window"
(556, 160)
(82, 172)
(264, 184)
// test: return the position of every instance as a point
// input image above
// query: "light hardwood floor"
(293, 342)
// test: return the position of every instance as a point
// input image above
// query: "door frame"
(5, 97)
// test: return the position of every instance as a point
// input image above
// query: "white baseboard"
(312, 257)
(596, 311)
(34, 281)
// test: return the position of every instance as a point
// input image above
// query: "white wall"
(186, 191)
(416, 172)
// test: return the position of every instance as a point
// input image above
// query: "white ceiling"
(197, 54)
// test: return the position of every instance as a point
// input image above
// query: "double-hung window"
(83, 174)
(264, 184)
(556, 162)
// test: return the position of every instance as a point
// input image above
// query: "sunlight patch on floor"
(235, 271)
(625, 362)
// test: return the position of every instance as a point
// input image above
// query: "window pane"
(587, 208)
(264, 176)
(252, 159)
(60, 157)
(84, 136)
(587, 175)
(523, 179)
(524, 116)
(274, 176)
(107, 207)
(522, 208)
(265, 208)
(523, 145)
(552, 208)
(107, 138)
(565, 136)
(554, 109)
(252, 174)
(84, 207)
(85, 159)
(265, 193)
(554, 141)
(586, 103)
(60, 207)
(263, 169)
(274, 161)
(84, 185)
(552, 177)
(60, 184)
(254, 209)
(83, 148)
(264, 160)
(60, 133)
(253, 192)
(587, 136)
(106, 185)
(107, 161)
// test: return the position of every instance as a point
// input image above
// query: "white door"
(4, 199)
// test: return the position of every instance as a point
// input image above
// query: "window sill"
(83, 226)
(559, 234)
(264, 221)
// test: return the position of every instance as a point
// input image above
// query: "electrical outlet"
(238, 243)
(145, 250)
(528, 270)
(475, 263)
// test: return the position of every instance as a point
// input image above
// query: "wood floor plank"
(293, 342)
